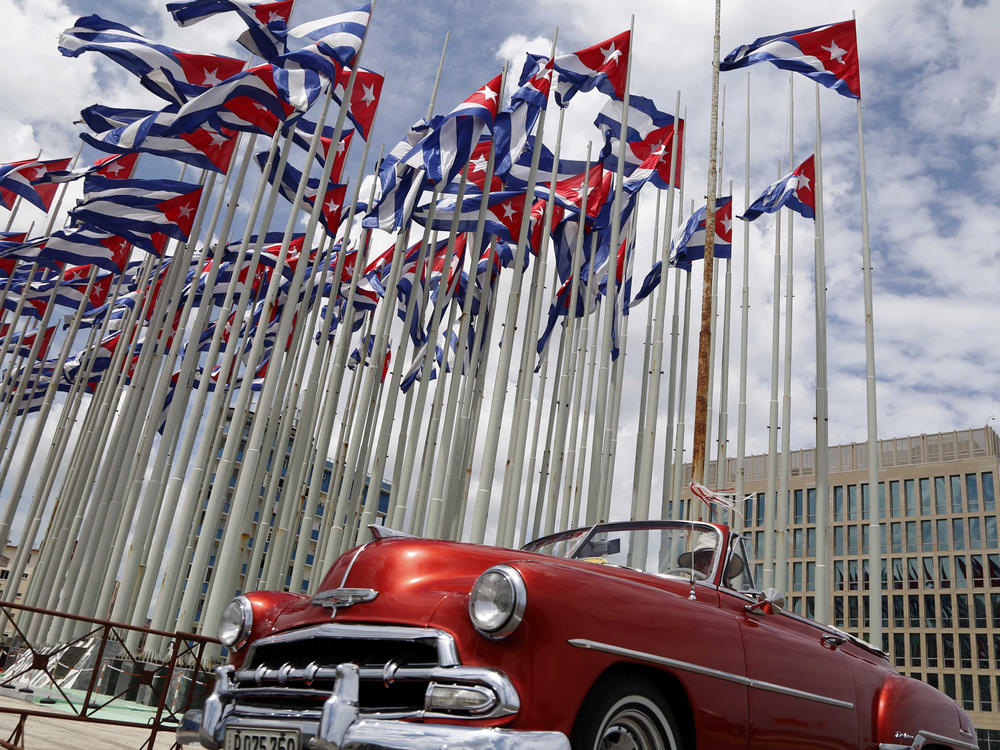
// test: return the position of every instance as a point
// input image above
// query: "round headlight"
(496, 604)
(237, 619)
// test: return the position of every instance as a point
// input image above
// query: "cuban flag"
(649, 283)
(69, 290)
(340, 36)
(27, 179)
(364, 97)
(517, 177)
(173, 74)
(451, 139)
(116, 167)
(249, 101)
(21, 343)
(203, 147)
(690, 245)
(86, 245)
(302, 134)
(516, 123)
(603, 66)
(267, 22)
(27, 251)
(648, 130)
(827, 54)
(136, 210)
(794, 190)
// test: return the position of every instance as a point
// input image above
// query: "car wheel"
(630, 714)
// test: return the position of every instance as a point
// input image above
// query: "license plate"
(252, 738)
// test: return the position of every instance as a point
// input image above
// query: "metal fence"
(94, 675)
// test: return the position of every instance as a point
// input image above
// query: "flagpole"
(599, 461)
(784, 464)
(705, 337)
(721, 462)
(771, 499)
(513, 489)
(874, 529)
(569, 373)
(823, 424)
(741, 429)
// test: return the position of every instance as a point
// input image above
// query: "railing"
(94, 676)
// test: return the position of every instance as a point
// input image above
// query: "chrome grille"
(295, 671)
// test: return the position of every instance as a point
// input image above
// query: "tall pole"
(705, 337)
(741, 428)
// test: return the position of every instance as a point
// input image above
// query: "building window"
(911, 536)
(798, 507)
(977, 571)
(958, 533)
(852, 575)
(926, 536)
(930, 619)
(897, 573)
(991, 532)
(838, 575)
(962, 610)
(912, 573)
(898, 616)
(956, 494)
(940, 496)
(838, 540)
(968, 699)
(852, 502)
(811, 541)
(975, 539)
(925, 497)
(897, 536)
(960, 577)
(985, 700)
(942, 534)
(930, 647)
(913, 605)
(988, 501)
(838, 503)
(948, 650)
(898, 649)
(994, 563)
(894, 507)
(945, 608)
(979, 610)
(852, 540)
(972, 492)
(915, 660)
(910, 490)
(928, 572)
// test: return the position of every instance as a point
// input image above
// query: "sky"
(930, 107)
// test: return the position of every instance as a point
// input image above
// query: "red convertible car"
(640, 635)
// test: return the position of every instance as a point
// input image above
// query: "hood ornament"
(338, 598)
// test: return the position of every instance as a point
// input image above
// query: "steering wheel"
(687, 573)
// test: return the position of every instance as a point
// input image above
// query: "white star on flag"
(210, 77)
(479, 164)
(274, 17)
(331, 205)
(728, 224)
(114, 168)
(611, 54)
(218, 139)
(836, 53)
(369, 94)
(184, 211)
(488, 93)
(340, 147)
(803, 182)
(39, 173)
(508, 211)
(123, 245)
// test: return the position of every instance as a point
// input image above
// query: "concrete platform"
(55, 734)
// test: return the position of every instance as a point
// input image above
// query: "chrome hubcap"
(632, 729)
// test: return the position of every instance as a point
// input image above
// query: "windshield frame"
(695, 526)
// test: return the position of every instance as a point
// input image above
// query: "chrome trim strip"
(350, 565)
(951, 740)
(708, 672)
(447, 652)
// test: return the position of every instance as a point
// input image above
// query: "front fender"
(909, 713)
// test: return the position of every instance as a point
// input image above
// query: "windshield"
(658, 547)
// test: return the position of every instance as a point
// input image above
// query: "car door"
(801, 691)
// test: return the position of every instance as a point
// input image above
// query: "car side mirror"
(767, 600)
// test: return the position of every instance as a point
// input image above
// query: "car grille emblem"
(338, 598)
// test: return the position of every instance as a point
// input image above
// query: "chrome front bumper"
(341, 727)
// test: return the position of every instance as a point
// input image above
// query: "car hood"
(410, 577)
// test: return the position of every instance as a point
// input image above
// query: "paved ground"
(56, 734)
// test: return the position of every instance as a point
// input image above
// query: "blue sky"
(931, 104)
